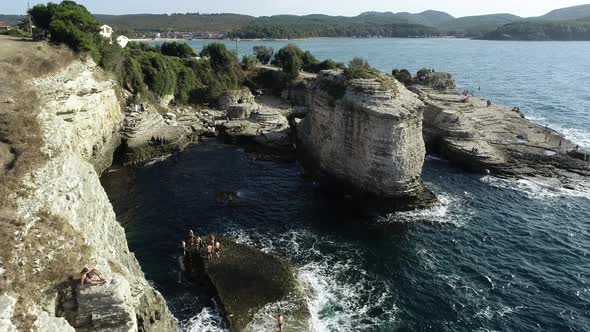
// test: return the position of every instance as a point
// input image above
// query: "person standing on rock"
(209, 252)
(280, 322)
(217, 248)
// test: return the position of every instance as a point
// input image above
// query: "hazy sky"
(332, 7)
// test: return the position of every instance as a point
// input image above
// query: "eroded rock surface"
(365, 134)
(498, 139)
(68, 221)
(251, 287)
(81, 112)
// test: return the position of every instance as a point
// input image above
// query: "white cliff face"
(81, 113)
(81, 118)
(370, 138)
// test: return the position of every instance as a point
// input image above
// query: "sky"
(457, 8)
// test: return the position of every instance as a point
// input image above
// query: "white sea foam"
(208, 320)
(157, 160)
(340, 295)
(578, 136)
(449, 210)
(541, 189)
(341, 306)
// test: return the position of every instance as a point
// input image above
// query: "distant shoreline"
(279, 39)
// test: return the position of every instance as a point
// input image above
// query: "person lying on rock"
(91, 277)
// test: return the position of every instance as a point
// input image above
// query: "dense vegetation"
(275, 30)
(476, 26)
(369, 24)
(542, 30)
(148, 72)
(191, 22)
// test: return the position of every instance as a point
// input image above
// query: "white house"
(122, 41)
(106, 31)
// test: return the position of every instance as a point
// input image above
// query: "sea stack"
(365, 134)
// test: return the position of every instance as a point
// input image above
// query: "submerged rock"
(367, 135)
(251, 287)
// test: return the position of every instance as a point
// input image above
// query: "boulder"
(365, 134)
(250, 287)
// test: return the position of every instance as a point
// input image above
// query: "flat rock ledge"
(250, 287)
(498, 139)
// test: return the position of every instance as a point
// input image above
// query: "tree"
(181, 50)
(309, 62)
(219, 56)
(249, 62)
(67, 23)
(263, 54)
(292, 67)
(285, 54)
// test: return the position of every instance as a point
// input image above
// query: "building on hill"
(122, 41)
(5, 26)
(106, 31)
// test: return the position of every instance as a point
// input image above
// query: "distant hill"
(476, 26)
(368, 24)
(542, 30)
(175, 22)
(569, 13)
(436, 18)
(560, 24)
(12, 19)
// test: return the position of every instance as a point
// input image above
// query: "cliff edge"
(60, 125)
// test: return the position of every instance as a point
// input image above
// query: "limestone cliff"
(366, 134)
(68, 221)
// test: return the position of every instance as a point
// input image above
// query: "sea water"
(496, 254)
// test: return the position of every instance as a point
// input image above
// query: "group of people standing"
(205, 245)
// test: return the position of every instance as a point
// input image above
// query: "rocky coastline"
(494, 139)
(365, 138)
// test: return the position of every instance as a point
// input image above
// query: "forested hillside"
(542, 30)
(560, 24)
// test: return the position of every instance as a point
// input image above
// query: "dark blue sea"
(495, 255)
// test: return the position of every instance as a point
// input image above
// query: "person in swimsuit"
(217, 248)
(280, 322)
(87, 277)
(209, 252)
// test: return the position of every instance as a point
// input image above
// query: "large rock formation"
(365, 133)
(67, 221)
(494, 138)
(251, 287)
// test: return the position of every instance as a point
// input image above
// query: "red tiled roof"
(4, 24)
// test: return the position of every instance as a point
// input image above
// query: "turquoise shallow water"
(495, 255)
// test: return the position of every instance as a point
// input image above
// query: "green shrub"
(327, 64)
(263, 54)
(292, 67)
(359, 68)
(219, 56)
(181, 50)
(158, 73)
(249, 62)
